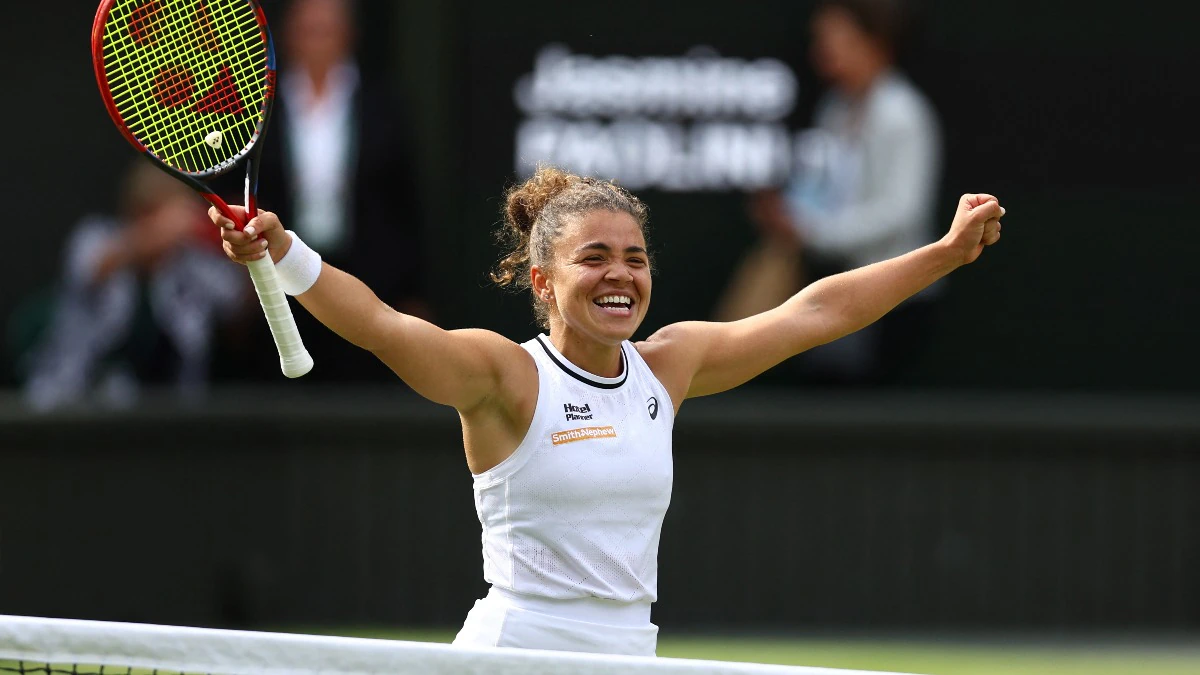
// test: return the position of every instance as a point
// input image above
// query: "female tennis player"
(569, 434)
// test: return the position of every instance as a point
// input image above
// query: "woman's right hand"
(261, 234)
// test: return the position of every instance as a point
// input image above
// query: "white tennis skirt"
(506, 619)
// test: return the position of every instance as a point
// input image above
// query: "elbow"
(833, 323)
(822, 317)
(814, 320)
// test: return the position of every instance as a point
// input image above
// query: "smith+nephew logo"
(575, 412)
(584, 434)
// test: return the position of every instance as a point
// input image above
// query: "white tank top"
(576, 511)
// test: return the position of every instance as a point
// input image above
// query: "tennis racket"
(190, 84)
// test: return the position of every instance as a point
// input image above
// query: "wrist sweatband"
(299, 268)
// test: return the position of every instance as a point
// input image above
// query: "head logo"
(652, 406)
(577, 412)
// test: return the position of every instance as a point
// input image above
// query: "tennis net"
(52, 646)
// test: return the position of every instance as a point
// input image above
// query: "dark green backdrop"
(788, 512)
(1079, 120)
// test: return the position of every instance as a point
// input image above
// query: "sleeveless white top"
(576, 511)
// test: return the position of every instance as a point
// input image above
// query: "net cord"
(245, 653)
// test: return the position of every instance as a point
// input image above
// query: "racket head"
(190, 83)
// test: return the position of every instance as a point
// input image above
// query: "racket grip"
(294, 359)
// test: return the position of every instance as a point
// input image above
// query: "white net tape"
(36, 645)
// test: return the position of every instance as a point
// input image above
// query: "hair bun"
(526, 201)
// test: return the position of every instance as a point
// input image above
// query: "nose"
(618, 272)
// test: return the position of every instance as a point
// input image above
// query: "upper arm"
(701, 357)
(458, 368)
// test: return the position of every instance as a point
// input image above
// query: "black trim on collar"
(582, 378)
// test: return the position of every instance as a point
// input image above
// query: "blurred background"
(1003, 476)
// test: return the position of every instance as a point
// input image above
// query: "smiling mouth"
(619, 305)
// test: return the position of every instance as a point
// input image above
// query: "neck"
(858, 87)
(319, 76)
(594, 357)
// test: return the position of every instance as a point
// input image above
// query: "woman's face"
(841, 52)
(599, 282)
(319, 33)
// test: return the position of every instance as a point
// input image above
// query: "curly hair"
(535, 213)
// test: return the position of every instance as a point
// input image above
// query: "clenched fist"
(261, 234)
(976, 224)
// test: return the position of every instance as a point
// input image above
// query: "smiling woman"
(536, 214)
(568, 435)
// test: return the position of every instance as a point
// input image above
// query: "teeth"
(615, 299)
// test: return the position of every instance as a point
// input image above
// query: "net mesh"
(69, 669)
(189, 78)
(33, 645)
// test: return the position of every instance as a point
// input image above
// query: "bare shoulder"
(687, 336)
(673, 354)
(486, 339)
(467, 369)
(514, 366)
(495, 426)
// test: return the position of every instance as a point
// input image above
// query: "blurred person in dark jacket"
(864, 190)
(139, 303)
(337, 167)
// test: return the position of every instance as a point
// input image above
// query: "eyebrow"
(599, 245)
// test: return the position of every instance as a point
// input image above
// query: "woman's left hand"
(976, 224)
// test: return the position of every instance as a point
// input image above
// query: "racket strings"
(174, 85)
(188, 77)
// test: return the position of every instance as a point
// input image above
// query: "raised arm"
(702, 358)
(460, 368)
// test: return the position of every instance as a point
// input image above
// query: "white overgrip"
(294, 359)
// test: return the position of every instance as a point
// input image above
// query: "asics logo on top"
(652, 406)
(575, 412)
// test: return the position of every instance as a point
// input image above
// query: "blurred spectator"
(864, 190)
(338, 169)
(139, 301)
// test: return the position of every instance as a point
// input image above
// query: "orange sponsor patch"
(583, 434)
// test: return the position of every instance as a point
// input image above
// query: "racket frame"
(294, 359)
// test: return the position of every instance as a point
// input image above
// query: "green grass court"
(927, 657)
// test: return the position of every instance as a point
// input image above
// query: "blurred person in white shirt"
(864, 190)
(339, 168)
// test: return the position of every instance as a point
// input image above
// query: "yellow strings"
(177, 38)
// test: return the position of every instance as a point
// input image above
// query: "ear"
(543, 286)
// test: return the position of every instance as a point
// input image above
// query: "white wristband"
(299, 268)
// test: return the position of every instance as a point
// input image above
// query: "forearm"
(715, 357)
(854, 300)
(349, 308)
